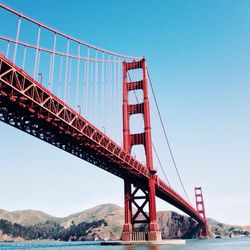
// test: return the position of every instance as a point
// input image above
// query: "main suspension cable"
(166, 137)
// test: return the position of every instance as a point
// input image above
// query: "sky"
(198, 56)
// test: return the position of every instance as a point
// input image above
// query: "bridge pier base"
(154, 236)
(126, 236)
(154, 233)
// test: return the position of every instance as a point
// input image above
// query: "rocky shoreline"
(8, 238)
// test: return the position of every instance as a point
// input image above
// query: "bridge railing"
(139, 236)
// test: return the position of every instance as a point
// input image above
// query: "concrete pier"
(159, 242)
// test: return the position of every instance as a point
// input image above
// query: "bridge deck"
(29, 106)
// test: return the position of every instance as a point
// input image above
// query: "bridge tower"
(131, 197)
(203, 230)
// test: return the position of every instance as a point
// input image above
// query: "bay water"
(196, 244)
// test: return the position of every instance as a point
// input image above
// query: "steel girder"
(30, 107)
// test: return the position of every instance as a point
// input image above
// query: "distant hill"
(105, 222)
(2, 211)
(111, 213)
(26, 217)
(105, 211)
(226, 230)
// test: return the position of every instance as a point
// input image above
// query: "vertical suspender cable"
(84, 85)
(111, 94)
(66, 73)
(17, 38)
(91, 111)
(60, 77)
(87, 81)
(114, 108)
(95, 85)
(51, 75)
(38, 62)
(36, 58)
(77, 75)
(108, 96)
(24, 57)
(102, 97)
(107, 82)
(7, 49)
(50, 70)
(69, 81)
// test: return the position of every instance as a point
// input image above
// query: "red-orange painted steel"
(200, 207)
(27, 105)
(135, 139)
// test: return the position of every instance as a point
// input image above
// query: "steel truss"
(27, 105)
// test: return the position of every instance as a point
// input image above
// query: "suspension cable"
(20, 15)
(166, 137)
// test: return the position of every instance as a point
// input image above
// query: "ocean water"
(210, 244)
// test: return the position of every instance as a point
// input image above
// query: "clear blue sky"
(198, 55)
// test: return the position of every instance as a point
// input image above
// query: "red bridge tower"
(144, 139)
(203, 230)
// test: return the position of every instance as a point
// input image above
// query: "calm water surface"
(211, 244)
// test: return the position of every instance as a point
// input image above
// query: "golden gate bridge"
(52, 85)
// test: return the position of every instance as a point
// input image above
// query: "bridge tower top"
(143, 138)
